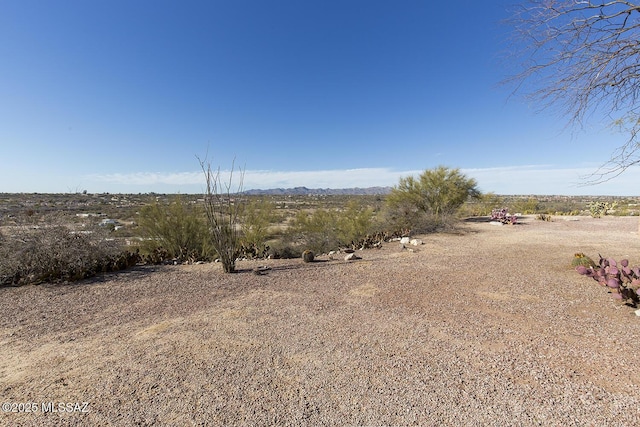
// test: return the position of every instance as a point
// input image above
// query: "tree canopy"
(439, 192)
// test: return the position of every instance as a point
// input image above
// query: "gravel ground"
(485, 326)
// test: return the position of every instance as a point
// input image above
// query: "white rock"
(637, 312)
(498, 223)
(351, 257)
(416, 242)
(405, 240)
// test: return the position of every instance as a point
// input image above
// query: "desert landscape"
(484, 325)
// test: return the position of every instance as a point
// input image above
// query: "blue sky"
(121, 96)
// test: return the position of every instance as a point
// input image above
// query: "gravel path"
(488, 326)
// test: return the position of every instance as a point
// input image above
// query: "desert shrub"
(54, 254)
(621, 280)
(526, 206)
(281, 250)
(436, 196)
(355, 222)
(257, 217)
(408, 221)
(324, 230)
(177, 230)
(544, 217)
(317, 230)
(482, 205)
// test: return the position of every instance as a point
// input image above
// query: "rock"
(637, 312)
(498, 223)
(352, 256)
(261, 270)
(405, 240)
(416, 242)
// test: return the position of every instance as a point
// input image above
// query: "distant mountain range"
(304, 191)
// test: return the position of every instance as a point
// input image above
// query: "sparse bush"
(56, 254)
(544, 217)
(279, 250)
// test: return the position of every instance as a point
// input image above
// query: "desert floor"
(485, 326)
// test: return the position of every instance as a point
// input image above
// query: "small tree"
(438, 192)
(223, 210)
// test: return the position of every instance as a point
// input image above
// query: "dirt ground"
(485, 326)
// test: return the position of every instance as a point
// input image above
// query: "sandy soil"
(488, 326)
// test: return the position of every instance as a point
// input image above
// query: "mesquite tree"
(584, 57)
(438, 192)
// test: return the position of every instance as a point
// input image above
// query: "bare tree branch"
(583, 57)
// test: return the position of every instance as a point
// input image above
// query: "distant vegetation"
(65, 237)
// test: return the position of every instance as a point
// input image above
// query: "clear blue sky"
(121, 96)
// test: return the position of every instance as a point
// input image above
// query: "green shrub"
(482, 205)
(178, 228)
(317, 230)
(527, 206)
(257, 217)
(324, 230)
(355, 222)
